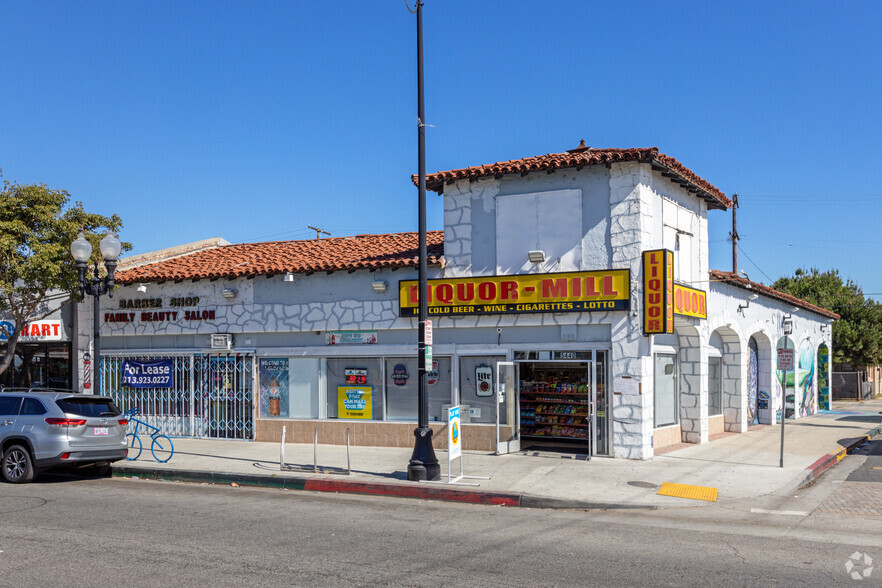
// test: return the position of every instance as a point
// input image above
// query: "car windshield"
(88, 407)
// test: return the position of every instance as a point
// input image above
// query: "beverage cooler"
(563, 402)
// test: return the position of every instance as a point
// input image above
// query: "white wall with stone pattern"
(623, 214)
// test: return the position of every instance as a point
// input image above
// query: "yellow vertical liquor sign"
(658, 292)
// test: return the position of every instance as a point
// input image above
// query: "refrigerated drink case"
(556, 401)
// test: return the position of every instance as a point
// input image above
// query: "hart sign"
(48, 330)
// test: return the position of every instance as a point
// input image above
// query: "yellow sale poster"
(354, 402)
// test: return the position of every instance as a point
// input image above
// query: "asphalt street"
(113, 531)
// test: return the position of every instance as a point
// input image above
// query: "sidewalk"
(739, 465)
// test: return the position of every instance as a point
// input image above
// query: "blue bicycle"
(161, 447)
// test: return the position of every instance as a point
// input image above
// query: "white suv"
(40, 429)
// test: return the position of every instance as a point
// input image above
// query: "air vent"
(222, 341)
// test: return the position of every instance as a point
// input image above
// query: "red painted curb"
(427, 492)
(823, 464)
(831, 459)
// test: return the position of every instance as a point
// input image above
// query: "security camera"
(498, 329)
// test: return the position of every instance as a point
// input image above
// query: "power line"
(754, 264)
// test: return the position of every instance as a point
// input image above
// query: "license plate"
(101, 431)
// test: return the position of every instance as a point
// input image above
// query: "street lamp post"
(423, 463)
(96, 286)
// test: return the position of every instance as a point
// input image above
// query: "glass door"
(601, 408)
(506, 384)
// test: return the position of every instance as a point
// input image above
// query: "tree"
(37, 273)
(857, 336)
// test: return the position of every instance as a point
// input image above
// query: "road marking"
(795, 513)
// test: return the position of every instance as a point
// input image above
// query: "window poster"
(354, 402)
(273, 387)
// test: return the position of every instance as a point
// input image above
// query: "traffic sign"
(428, 332)
(428, 358)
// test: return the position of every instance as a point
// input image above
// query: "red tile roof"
(736, 280)
(304, 257)
(580, 157)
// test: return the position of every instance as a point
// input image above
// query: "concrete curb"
(440, 492)
(418, 491)
(814, 471)
(427, 492)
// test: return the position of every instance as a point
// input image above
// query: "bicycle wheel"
(162, 448)
(135, 447)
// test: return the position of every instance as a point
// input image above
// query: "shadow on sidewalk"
(710, 460)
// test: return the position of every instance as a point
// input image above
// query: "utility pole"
(734, 234)
(318, 231)
(423, 463)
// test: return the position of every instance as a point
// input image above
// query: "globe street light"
(96, 286)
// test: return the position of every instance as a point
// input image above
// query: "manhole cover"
(643, 485)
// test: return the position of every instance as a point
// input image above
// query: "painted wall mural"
(823, 375)
(806, 378)
(752, 383)
(789, 376)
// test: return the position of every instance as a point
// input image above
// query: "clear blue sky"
(252, 120)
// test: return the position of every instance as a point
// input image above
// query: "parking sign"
(785, 359)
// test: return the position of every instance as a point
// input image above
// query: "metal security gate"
(211, 395)
(225, 396)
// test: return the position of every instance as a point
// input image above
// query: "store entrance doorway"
(507, 386)
(563, 403)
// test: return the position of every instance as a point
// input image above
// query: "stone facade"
(626, 208)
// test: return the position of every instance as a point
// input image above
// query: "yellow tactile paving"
(688, 491)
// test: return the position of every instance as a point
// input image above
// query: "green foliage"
(857, 336)
(37, 226)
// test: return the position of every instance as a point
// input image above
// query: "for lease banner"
(601, 290)
(148, 374)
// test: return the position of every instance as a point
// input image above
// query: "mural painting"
(806, 378)
(823, 375)
(786, 380)
(752, 383)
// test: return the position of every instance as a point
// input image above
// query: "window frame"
(655, 395)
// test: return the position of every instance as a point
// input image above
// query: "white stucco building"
(579, 278)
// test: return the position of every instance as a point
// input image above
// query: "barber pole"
(87, 371)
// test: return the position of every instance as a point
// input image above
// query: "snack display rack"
(556, 404)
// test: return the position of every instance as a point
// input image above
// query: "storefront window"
(303, 382)
(477, 381)
(355, 388)
(714, 386)
(40, 365)
(288, 387)
(666, 402)
(402, 388)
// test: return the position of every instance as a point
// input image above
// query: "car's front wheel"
(17, 465)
